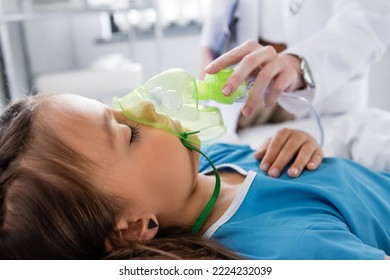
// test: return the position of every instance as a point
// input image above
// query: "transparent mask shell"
(173, 94)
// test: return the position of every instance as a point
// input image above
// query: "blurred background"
(102, 48)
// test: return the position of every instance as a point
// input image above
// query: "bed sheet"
(361, 136)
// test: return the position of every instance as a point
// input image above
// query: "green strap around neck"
(210, 204)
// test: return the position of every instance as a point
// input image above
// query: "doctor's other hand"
(285, 145)
(275, 73)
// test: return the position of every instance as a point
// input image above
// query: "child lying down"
(79, 180)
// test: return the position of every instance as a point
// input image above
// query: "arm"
(212, 30)
(286, 144)
(356, 35)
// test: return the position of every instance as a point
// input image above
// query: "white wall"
(63, 44)
(67, 43)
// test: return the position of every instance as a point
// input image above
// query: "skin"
(136, 170)
(275, 73)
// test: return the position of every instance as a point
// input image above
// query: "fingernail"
(247, 111)
(274, 172)
(209, 67)
(264, 167)
(311, 165)
(294, 171)
(227, 89)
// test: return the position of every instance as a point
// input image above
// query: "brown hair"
(50, 210)
(172, 244)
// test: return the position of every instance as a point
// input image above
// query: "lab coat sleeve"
(214, 23)
(356, 36)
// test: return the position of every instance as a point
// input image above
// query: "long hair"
(50, 210)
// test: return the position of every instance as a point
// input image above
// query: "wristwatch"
(306, 73)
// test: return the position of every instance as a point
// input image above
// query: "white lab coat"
(340, 39)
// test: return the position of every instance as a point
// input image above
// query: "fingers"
(315, 160)
(259, 154)
(309, 156)
(274, 148)
(287, 144)
(274, 73)
(274, 78)
(281, 158)
(232, 57)
(259, 89)
(256, 59)
(280, 84)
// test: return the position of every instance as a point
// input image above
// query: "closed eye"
(135, 133)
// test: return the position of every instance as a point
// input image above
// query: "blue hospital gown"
(340, 211)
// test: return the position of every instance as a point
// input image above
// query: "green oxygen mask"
(169, 101)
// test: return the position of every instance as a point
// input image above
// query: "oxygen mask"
(169, 101)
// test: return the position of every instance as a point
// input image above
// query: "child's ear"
(142, 229)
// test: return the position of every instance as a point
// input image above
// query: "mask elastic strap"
(210, 204)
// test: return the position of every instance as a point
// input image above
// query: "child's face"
(153, 171)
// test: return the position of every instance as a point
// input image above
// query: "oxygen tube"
(214, 197)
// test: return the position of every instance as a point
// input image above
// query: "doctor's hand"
(275, 73)
(285, 145)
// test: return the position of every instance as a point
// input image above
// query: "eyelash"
(135, 133)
